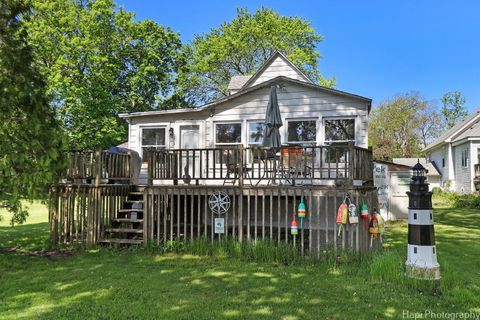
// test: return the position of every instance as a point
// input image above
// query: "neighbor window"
(339, 130)
(465, 158)
(152, 138)
(302, 131)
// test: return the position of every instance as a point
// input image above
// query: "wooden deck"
(118, 212)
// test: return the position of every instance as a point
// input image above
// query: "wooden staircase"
(127, 226)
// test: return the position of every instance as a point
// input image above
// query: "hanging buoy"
(342, 216)
(301, 210)
(352, 214)
(380, 222)
(373, 229)
(294, 227)
(364, 213)
(364, 210)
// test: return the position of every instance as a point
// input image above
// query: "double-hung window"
(465, 158)
(338, 131)
(227, 135)
(302, 131)
(152, 138)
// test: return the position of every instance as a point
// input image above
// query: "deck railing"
(251, 165)
(98, 165)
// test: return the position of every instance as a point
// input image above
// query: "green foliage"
(99, 61)
(465, 200)
(453, 109)
(241, 46)
(31, 139)
(397, 127)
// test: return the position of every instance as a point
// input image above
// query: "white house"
(311, 114)
(456, 154)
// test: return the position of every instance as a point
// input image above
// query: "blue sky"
(374, 48)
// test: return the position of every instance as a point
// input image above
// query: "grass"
(232, 282)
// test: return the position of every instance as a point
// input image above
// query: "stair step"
(125, 241)
(130, 210)
(128, 220)
(133, 201)
(120, 230)
(136, 193)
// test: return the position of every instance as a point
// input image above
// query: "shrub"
(467, 200)
(437, 191)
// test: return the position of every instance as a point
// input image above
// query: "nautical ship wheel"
(219, 202)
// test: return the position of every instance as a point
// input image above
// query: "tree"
(241, 46)
(429, 125)
(98, 62)
(397, 127)
(453, 109)
(31, 139)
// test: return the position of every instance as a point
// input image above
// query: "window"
(255, 132)
(465, 158)
(228, 133)
(153, 138)
(341, 130)
(443, 162)
(301, 131)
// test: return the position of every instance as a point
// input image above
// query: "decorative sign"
(381, 179)
(219, 202)
(219, 225)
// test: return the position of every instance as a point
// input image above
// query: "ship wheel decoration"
(219, 202)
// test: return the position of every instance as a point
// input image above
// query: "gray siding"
(463, 177)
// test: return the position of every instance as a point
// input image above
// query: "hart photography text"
(430, 314)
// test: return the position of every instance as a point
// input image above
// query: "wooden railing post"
(151, 164)
(351, 163)
(240, 166)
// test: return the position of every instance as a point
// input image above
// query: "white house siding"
(278, 67)
(295, 102)
(463, 176)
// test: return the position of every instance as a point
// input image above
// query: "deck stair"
(127, 226)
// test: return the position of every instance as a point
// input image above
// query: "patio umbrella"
(273, 121)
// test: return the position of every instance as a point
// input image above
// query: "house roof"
(410, 162)
(237, 82)
(276, 80)
(456, 131)
(269, 61)
(470, 131)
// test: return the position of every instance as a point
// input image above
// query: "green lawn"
(132, 284)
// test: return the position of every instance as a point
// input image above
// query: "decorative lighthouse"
(422, 254)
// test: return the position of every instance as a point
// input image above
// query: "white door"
(190, 139)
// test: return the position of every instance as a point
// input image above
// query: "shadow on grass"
(25, 237)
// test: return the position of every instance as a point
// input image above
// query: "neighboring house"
(434, 176)
(456, 155)
(311, 114)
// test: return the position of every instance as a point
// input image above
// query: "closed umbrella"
(273, 122)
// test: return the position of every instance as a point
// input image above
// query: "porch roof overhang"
(279, 79)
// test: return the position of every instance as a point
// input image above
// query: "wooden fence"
(251, 165)
(80, 213)
(266, 212)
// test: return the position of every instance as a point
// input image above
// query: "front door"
(190, 139)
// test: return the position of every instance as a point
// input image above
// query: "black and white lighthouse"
(422, 253)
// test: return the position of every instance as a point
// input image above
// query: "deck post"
(351, 163)
(150, 165)
(240, 167)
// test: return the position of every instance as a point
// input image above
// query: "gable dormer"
(275, 66)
